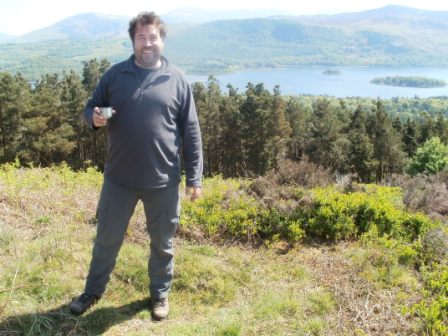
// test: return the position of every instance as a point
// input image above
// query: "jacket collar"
(130, 65)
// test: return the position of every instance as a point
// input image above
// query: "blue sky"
(21, 16)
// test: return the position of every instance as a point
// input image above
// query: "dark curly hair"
(147, 18)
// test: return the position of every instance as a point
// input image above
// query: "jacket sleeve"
(100, 97)
(191, 140)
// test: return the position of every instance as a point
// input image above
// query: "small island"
(409, 81)
(331, 72)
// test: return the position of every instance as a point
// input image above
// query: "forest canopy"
(244, 133)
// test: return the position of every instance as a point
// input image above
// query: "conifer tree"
(49, 137)
(73, 100)
(280, 130)
(231, 134)
(256, 120)
(252, 131)
(361, 149)
(426, 130)
(397, 125)
(92, 71)
(387, 143)
(297, 114)
(14, 104)
(322, 134)
(211, 127)
(441, 128)
(410, 137)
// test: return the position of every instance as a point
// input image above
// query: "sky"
(18, 17)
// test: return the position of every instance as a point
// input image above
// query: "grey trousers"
(115, 208)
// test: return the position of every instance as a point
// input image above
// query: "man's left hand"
(194, 193)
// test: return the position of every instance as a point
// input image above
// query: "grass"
(46, 233)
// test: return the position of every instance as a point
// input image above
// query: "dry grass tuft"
(361, 305)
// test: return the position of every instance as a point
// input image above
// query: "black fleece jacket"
(155, 117)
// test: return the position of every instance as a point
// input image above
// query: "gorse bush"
(433, 309)
(224, 211)
(335, 215)
(261, 210)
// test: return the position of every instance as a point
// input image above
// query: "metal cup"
(106, 112)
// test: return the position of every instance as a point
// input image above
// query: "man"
(153, 116)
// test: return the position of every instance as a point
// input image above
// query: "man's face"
(148, 46)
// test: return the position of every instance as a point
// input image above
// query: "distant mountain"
(196, 15)
(392, 35)
(95, 25)
(389, 15)
(82, 26)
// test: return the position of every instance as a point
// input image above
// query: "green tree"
(441, 128)
(387, 143)
(410, 137)
(361, 149)
(208, 102)
(323, 136)
(254, 130)
(92, 71)
(264, 130)
(426, 130)
(73, 99)
(397, 125)
(429, 159)
(279, 129)
(49, 137)
(297, 113)
(14, 100)
(231, 134)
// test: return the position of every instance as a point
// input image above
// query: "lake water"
(353, 81)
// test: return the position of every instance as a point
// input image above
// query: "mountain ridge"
(81, 26)
(97, 23)
(388, 36)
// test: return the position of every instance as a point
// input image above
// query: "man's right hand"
(97, 119)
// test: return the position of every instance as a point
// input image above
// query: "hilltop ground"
(225, 288)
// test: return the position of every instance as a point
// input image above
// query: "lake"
(353, 81)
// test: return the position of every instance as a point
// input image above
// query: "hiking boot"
(83, 302)
(160, 308)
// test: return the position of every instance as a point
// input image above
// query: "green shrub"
(433, 309)
(228, 210)
(223, 210)
(275, 224)
(429, 159)
(413, 226)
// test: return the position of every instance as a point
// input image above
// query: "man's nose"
(148, 43)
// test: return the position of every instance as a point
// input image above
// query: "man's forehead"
(147, 28)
